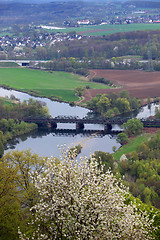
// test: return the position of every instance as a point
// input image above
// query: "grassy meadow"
(47, 84)
(100, 30)
(130, 146)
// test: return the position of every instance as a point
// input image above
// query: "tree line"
(114, 45)
(98, 52)
(109, 105)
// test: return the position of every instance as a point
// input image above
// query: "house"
(83, 22)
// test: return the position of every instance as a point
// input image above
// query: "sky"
(44, 1)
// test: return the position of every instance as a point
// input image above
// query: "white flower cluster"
(79, 201)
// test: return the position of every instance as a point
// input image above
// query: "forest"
(141, 171)
(114, 45)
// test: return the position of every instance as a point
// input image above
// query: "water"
(46, 143)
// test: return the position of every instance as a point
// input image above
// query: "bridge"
(52, 122)
(107, 122)
(24, 63)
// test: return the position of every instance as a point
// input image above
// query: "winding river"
(46, 143)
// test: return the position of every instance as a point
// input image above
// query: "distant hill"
(55, 11)
(145, 3)
(48, 1)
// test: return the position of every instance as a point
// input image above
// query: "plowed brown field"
(138, 83)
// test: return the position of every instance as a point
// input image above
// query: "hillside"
(25, 13)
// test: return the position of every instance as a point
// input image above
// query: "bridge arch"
(107, 127)
(79, 125)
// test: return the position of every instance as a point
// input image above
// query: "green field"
(47, 84)
(8, 64)
(130, 146)
(106, 29)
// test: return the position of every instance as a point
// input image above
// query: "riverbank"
(135, 141)
(55, 85)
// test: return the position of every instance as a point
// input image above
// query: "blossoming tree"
(79, 201)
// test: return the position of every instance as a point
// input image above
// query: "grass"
(6, 101)
(130, 146)
(46, 84)
(109, 29)
(129, 57)
(8, 64)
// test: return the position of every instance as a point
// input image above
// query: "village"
(12, 47)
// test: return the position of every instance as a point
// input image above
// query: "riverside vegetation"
(109, 105)
(11, 113)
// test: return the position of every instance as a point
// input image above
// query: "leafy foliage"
(122, 138)
(104, 158)
(102, 80)
(133, 126)
(18, 110)
(17, 192)
(142, 171)
(79, 91)
(110, 105)
(9, 203)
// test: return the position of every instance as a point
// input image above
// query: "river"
(46, 143)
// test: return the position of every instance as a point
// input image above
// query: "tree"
(103, 104)
(17, 191)
(2, 142)
(9, 203)
(122, 138)
(79, 91)
(133, 126)
(1, 149)
(27, 165)
(104, 158)
(79, 201)
(123, 105)
(124, 94)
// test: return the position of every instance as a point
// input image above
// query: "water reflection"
(55, 108)
(45, 142)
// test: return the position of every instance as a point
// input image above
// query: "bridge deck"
(111, 121)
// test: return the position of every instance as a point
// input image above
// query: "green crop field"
(106, 29)
(42, 83)
(8, 64)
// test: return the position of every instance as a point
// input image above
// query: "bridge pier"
(53, 125)
(108, 127)
(79, 125)
(43, 125)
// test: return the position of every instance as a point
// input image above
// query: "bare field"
(138, 83)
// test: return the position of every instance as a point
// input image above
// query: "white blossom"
(79, 201)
